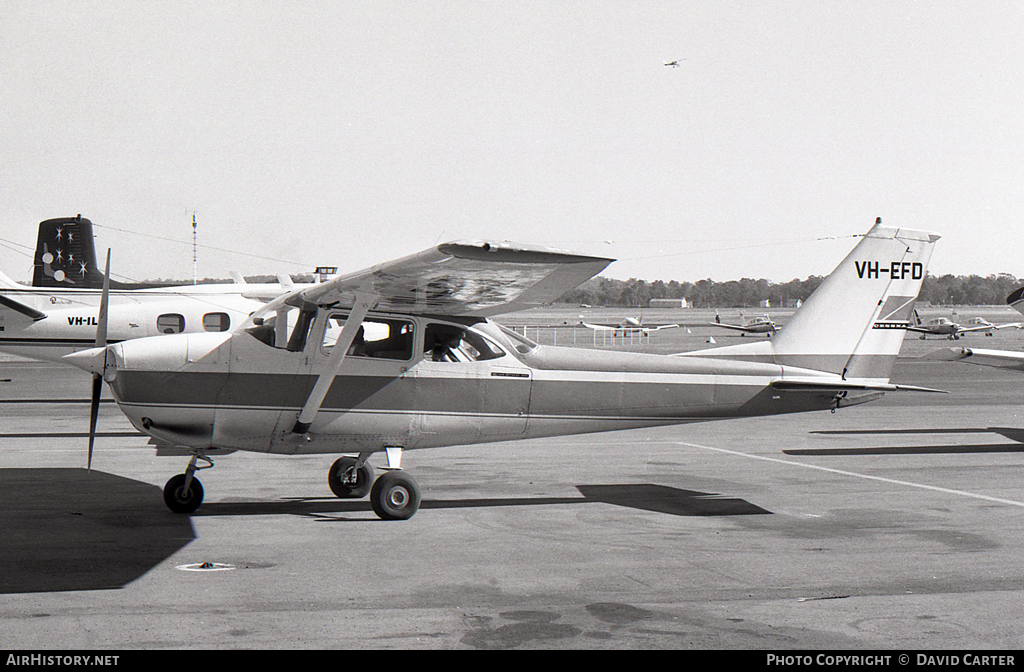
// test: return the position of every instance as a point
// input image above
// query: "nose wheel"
(182, 499)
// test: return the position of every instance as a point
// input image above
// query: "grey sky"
(350, 133)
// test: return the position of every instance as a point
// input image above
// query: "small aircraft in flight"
(674, 64)
(943, 326)
(404, 356)
(58, 313)
(628, 326)
(761, 324)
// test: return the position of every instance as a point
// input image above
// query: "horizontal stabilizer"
(818, 384)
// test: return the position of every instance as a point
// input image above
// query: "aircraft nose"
(91, 360)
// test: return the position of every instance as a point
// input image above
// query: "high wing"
(998, 358)
(470, 278)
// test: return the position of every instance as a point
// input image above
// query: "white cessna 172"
(58, 313)
(402, 356)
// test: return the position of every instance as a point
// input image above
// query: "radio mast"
(193, 248)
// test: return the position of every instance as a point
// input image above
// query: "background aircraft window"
(170, 323)
(216, 322)
(377, 337)
(448, 343)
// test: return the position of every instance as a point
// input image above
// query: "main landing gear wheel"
(395, 496)
(178, 499)
(349, 483)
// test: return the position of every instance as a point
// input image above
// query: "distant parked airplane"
(630, 325)
(943, 326)
(762, 324)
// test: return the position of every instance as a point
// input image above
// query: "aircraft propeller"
(101, 342)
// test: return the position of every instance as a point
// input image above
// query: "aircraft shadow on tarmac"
(1014, 434)
(644, 496)
(72, 529)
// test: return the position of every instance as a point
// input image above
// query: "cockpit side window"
(287, 329)
(451, 343)
(383, 338)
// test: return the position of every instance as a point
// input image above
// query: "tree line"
(973, 290)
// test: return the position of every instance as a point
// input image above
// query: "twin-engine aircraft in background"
(402, 356)
(58, 313)
(762, 324)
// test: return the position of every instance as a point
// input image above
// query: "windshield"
(521, 343)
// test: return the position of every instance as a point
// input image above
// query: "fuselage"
(71, 316)
(243, 389)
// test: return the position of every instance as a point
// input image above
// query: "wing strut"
(360, 307)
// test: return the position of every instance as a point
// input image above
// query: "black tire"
(364, 479)
(395, 496)
(178, 500)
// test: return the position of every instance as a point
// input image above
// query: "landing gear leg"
(184, 493)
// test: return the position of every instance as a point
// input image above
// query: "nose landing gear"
(184, 493)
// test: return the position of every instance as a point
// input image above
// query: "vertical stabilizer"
(66, 254)
(855, 321)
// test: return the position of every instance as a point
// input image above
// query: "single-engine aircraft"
(58, 313)
(1005, 359)
(630, 325)
(674, 64)
(403, 356)
(761, 324)
(943, 326)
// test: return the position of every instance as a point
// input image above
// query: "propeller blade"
(101, 328)
(97, 379)
(94, 409)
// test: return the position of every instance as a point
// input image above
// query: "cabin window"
(216, 322)
(450, 343)
(377, 337)
(287, 329)
(170, 323)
